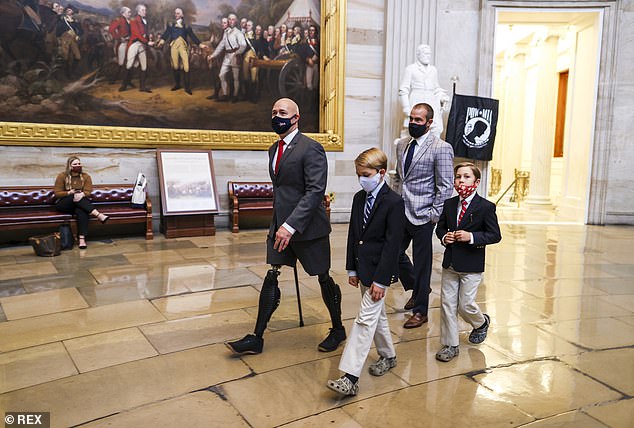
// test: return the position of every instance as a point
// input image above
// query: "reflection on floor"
(525, 213)
(129, 333)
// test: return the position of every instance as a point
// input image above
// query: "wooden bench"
(254, 199)
(29, 207)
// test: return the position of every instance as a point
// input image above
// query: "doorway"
(545, 76)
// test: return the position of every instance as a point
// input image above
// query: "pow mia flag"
(471, 126)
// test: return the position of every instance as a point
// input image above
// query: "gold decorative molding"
(35, 134)
(332, 70)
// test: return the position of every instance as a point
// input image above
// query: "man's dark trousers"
(417, 277)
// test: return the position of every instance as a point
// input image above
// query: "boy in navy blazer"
(374, 238)
(467, 224)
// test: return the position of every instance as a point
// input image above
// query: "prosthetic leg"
(269, 301)
(331, 294)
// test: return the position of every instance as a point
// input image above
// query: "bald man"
(299, 229)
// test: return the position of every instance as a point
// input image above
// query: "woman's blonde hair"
(67, 179)
(372, 158)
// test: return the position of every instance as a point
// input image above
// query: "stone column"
(544, 123)
(408, 24)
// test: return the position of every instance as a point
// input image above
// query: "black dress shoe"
(332, 341)
(249, 344)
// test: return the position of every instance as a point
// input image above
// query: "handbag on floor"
(47, 245)
(66, 237)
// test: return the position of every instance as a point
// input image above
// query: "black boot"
(255, 92)
(143, 79)
(126, 80)
(120, 72)
(269, 301)
(188, 85)
(177, 80)
(331, 295)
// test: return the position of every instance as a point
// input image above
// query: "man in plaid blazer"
(424, 179)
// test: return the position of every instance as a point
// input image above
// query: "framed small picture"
(187, 182)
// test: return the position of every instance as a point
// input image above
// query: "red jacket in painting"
(138, 31)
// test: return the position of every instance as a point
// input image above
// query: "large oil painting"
(161, 64)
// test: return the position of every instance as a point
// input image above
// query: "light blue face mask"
(369, 183)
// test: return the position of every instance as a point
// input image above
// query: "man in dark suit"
(424, 174)
(299, 229)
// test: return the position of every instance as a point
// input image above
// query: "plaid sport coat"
(429, 180)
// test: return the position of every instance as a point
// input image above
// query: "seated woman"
(72, 189)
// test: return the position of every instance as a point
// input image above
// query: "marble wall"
(619, 201)
(451, 27)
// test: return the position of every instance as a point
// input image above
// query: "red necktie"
(463, 210)
(280, 152)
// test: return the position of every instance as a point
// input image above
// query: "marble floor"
(129, 333)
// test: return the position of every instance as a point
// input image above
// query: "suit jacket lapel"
(420, 152)
(401, 156)
(451, 219)
(359, 215)
(272, 151)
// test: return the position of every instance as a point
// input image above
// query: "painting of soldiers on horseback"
(184, 64)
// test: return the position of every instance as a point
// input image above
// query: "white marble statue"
(420, 85)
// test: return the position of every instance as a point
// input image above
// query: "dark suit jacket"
(479, 219)
(299, 188)
(172, 33)
(373, 251)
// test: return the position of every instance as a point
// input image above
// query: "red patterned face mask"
(464, 190)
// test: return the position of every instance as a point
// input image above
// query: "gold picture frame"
(331, 99)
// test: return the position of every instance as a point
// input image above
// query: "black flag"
(471, 126)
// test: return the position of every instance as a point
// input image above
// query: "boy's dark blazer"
(479, 219)
(373, 250)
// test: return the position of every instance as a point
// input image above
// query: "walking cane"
(299, 300)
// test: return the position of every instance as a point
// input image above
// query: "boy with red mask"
(467, 224)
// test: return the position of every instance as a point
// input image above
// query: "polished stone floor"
(129, 333)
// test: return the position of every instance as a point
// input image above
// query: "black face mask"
(281, 125)
(416, 130)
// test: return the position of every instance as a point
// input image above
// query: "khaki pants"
(312, 75)
(136, 52)
(178, 52)
(69, 47)
(371, 323)
(229, 66)
(121, 51)
(249, 72)
(457, 296)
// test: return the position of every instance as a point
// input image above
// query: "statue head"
(423, 54)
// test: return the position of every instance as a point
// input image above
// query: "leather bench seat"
(247, 204)
(26, 207)
(34, 215)
(254, 199)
